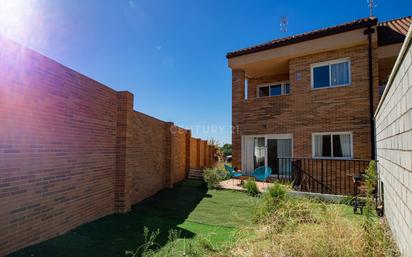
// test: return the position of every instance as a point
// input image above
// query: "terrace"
(315, 175)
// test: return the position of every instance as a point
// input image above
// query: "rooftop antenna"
(372, 4)
(284, 24)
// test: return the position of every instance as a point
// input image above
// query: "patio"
(237, 184)
(316, 175)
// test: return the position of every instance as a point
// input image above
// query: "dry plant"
(308, 228)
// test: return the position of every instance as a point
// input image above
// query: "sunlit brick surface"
(73, 150)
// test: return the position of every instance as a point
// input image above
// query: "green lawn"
(189, 207)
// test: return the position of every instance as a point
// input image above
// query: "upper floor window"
(331, 74)
(273, 89)
(332, 145)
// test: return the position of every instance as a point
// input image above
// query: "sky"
(171, 54)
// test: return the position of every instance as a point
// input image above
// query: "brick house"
(312, 95)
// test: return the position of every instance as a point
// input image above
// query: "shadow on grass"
(112, 235)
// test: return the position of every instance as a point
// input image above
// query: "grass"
(212, 215)
(226, 223)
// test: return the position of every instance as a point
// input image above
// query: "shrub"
(251, 187)
(371, 180)
(193, 248)
(306, 227)
(213, 176)
(377, 239)
(149, 247)
(276, 192)
(347, 200)
(272, 199)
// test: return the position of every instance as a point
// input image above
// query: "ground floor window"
(332, 145)
(272, 150)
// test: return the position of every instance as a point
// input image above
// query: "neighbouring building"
(394, 148)
(312, 95)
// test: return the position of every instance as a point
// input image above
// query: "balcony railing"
(327, 176)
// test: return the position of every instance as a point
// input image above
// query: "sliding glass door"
(279, 152)
(259, 152)
(273, 151)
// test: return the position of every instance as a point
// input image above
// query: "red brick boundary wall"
(73, 150)
(201, 154)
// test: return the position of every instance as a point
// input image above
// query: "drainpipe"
(369, 32)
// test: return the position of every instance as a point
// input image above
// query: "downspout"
(370, 31)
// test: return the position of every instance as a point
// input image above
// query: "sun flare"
(17, 18)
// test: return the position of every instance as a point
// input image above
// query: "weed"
(149, 247)
(213, 176)
(251, 187)
(271, 199)
(288, 226)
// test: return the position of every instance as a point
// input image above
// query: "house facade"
(312, 95)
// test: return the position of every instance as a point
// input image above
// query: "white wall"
(394, 148)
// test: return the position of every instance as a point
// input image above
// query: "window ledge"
(332, 158)
(269, 96)
(319, 88)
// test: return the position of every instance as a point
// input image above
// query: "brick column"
(201, 154)
(238, 94)
(206, 152)
(187, 156)
(122, 200)
(169, 147)
(212, 154)
(197, 153)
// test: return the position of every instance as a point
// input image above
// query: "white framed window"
(273, 89)
(336, 145)
(328, 74)
(246, 89)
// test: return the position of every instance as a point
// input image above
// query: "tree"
(227, 149)
(214, 142)
(218, 153)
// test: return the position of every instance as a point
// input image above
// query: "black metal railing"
(327, 176)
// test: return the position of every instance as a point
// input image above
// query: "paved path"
(236, 184)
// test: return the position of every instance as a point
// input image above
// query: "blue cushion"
(262, 173)
(229, 169)
(232, 171)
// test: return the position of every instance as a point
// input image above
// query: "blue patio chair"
(232, 172)
(262, 173)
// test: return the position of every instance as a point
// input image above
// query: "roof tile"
(389, 32)
(360, 23)
(393, 31)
